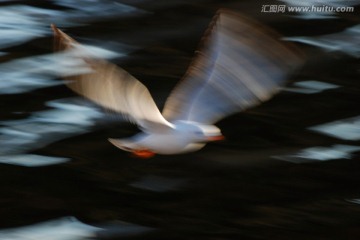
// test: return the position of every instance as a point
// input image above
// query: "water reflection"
(67, 228)
(15, 82)
(346, 41)
(346, 129)
(88, 10)
(21, 23)
(121, 229)
(321, 154)
(65, 118)
(310, 87)
(26, 74)
(32, 160)
(66, 111)
(356, 201)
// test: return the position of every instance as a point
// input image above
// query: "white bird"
(239, 64)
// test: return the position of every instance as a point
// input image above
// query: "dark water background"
(258, 184)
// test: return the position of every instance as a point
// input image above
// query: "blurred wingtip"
(57, 38)
(53, 27)
(243, 40)
(57, 32)
(62, 41)
(297, 57)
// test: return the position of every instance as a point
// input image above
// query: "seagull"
(239, 64)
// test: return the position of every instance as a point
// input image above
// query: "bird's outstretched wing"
(111, 87)
(240, 64)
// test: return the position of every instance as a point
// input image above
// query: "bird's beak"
(216, 138)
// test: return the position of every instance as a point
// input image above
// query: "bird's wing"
(111, 87)
(240, 64)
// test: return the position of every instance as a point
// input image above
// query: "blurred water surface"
(289, 168)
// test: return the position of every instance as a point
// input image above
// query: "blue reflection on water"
(338, 151)
(67, 228)
(22, 23)
(65, 119)
(310, 87)
(346, 41)
(346, 129)
(89, 9)
(26, 74)
(356, 201)
(19, 24)
(32, 160)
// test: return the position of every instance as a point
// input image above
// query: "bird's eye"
(198, 132)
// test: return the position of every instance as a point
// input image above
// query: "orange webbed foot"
(144, 153)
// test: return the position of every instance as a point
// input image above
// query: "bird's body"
(239, 65)
(184, 137)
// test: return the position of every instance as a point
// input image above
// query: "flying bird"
(239, 64)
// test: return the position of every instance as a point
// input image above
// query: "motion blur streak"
(67, 228)
(65, 119)
(70, 228)
(32, 160)
(321, 154)
(310, 87)
(347, 129)
(346, 41)
(27, 74)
